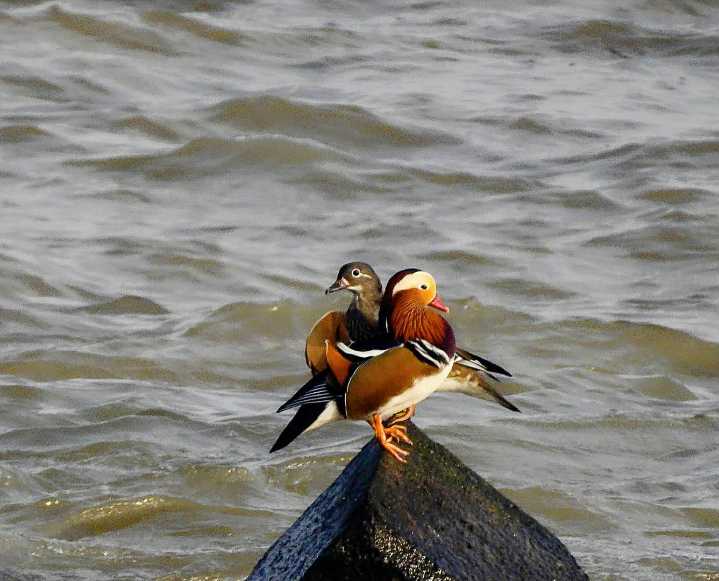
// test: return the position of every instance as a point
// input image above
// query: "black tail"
(501, 400)
(486, 363)
(303, 419)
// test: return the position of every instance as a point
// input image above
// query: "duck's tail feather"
(501, 400)
(468, 359)
(303, 419)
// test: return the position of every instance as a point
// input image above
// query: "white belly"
(473, 388)
(421, 389)
(453, 384)
(331, 413)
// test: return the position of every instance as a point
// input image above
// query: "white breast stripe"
(435, 357)
(428, 359)
(436, 350)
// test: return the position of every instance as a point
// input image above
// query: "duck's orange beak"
(438, 304)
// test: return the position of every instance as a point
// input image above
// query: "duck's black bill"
(337, 285)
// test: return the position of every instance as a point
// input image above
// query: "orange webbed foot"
(384, 438)
(397, 453)
(399, 433)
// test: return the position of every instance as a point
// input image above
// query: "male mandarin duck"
(374, 380)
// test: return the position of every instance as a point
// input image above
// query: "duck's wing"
(475, 383)
(380, 379)
(467, 359)
(329, 327)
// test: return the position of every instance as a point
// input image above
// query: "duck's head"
(404, 313)
(414, 284)
(422, 288)
(357, 277)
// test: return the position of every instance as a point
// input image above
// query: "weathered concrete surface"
(431, 519)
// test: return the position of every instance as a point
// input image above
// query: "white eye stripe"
(413, 280)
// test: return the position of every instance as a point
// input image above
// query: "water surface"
(181, 180)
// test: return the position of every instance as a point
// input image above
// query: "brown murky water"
(180, 180)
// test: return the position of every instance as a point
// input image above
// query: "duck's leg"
(403, 415)
(397, 431)
(380, 433)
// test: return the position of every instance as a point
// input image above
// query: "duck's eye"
(423, 286)
(356, 272)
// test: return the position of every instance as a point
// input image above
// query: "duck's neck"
(363, 315)
(367, 303)
(410, 319)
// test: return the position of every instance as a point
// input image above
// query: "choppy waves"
(181, 184)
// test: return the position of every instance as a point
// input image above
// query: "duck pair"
(381, 357)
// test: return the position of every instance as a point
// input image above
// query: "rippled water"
(180, 180)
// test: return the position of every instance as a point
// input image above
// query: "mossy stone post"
(430, 519)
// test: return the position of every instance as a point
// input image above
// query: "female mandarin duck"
(373, 381)
(359, 322)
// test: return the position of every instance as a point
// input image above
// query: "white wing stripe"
(347, 350)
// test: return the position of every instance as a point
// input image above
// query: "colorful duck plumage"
(399, 352)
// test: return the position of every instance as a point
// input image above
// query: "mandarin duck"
(358, 323)
(375, 379)
(360, 320)
(470, 373)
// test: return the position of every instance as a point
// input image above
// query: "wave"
(653, 344)
(194, 26)
(210, 156)
(661, 242)
(330, 123)
(58, 365)
(626, 39)
(115, 33)
(126, 305)
(150, 127)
